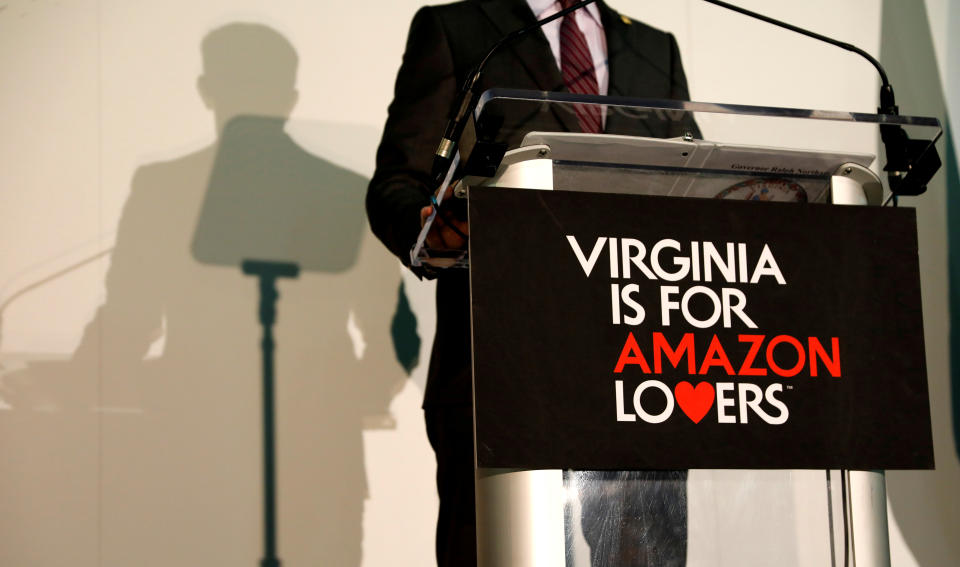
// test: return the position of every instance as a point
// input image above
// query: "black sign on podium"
(636, 332)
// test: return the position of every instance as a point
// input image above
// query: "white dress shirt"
(588, 20)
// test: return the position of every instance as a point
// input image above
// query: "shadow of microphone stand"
(275, 210)
(267, 273)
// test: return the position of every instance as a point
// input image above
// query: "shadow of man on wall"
(177, 340)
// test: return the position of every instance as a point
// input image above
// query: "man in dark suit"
(444, 44)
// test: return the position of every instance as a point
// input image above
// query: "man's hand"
(447, 232)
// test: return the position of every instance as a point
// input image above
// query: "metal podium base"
(521, 519)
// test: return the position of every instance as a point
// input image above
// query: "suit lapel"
(533, 51)
(623, 64)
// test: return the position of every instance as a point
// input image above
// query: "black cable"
(793, 28)
(910, 163)
(846, 523)
(466, 100)
(515, 35)
(833, 547)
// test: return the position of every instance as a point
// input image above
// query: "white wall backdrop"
(129, 416)
(925, 505)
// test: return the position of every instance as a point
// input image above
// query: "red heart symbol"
(695, 402)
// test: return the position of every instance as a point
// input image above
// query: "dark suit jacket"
(443, 46)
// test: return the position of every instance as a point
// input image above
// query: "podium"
(572, 473)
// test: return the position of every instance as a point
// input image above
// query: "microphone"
(910, 163)
(466, 101)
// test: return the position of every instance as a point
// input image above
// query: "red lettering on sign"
(747, 369)
(685, 348)
(801, 355)
(817, 351)
(631, 354)
(716, 356)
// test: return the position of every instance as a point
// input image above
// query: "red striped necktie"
(576, 67)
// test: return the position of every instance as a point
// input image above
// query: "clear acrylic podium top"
(670, 148)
